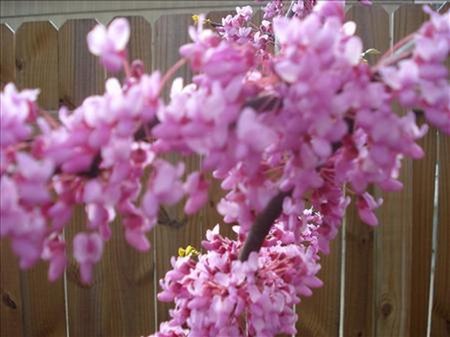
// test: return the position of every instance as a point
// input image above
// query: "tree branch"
(262, 225)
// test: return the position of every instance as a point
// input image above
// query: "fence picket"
(89, 307)
(37, 67)
(373, 28)
(11, 296)
(124, 282)
(440, 318)
(319, 315)
(440, 315)
(393, 249)
(408, 18)
(171, 31)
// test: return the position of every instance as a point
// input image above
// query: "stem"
(49, 119)
(400, 47)
(262, 225)
(170, 73)
(126, 68)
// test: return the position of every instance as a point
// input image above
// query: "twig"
(262, 225)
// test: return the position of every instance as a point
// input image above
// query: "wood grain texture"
(80, 72)
(7, 55)
(11, 310)
(393, 259)
(37, 67)
(90, 308)
(319, 314)
(37, 61)
(440, 319)
(408, 19)
(393, 249)
(440, 315)
(170, 33)
(120, 301)
(373, 28)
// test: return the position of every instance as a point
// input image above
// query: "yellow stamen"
(196, 19)
(188, 251)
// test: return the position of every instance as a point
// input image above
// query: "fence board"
(440, 315)
(393, 248)
(440, 319)
(143, 287)
(37, 67)
(170, 34)
(37, 60)
(124, 278)
(11, 298)
(137, 270)
(319, 314)
(91, 309)
(373, 28)
(408, 18)
(80, 72)
(7, 55)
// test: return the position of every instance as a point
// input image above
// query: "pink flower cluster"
(217, 295)
(422, 81)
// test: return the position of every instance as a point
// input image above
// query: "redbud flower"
(87, 250)
(110, 43)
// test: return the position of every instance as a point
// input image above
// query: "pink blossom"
(110, 43)
(164, 187)
(17, 109)
(212, 293)
(197, 188)
(366, 205)
(87, 250)
(254, 134)
(55, 252)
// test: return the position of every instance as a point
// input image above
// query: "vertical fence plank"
(440, 315)
(81, 75)
(140, 46)
(37, 60)
(11, 297)
(170, 34)
(136, 282)
(373, 28)
(319, 314)
(37, 67)
(440, 318)
(7, 55)
(140, 293)
(123, 283)
(393, 240)
(408, 18)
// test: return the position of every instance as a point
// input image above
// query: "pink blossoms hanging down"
(294, 136)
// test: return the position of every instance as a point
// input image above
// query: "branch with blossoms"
(284, 133)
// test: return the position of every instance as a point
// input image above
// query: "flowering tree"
(288, 116)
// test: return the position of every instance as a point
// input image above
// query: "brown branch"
(262, 225)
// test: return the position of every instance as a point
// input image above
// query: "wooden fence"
(390, 281)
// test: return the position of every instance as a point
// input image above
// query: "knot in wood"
(8, 301)
(386, 309)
